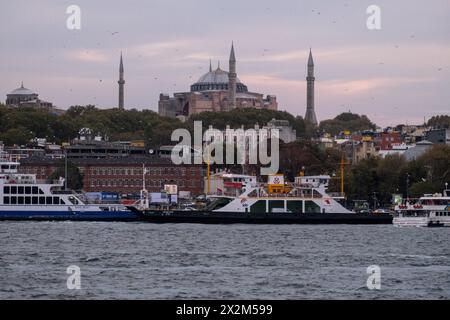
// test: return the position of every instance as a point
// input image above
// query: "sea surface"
(188, 261)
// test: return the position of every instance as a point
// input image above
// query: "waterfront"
(148, 261)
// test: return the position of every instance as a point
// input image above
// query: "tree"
(346, 121)
(74, 176)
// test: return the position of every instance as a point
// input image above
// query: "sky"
(397, 74)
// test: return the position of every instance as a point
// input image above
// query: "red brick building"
(389, 139)
(124, 176)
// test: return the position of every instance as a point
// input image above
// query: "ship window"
(35, 190)
(276, 204)
(6, 200)
(13, 190)
(27, 190)
(258, 206)
(13, 200)
(55, 200)
(20, 200)
(61, 201)
(41, 200)
(27, 200)
(6, 190)
(311, 207)
(40, 191)
(20, 190)
(294, 206)
(34, 200)
(49, 200)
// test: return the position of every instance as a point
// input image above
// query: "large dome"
(216, 80)
(22, 91)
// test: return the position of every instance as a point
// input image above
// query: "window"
(6, 200)
(34, 190)
(27, 190)
(49, 200)
(55, 200)
(20, 190)
(27, 200)
(13, 190)
(41, 200)
(6, 190)
(13, 200)
(34, 200)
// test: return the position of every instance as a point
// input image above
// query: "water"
(147, 261)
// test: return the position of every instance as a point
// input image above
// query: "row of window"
(138, 171)
(22, 190)
(33, 200)
(138, 183)
(442, 214)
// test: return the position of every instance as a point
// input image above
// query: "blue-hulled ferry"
(23, 197)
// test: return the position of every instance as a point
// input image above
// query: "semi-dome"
(216, 80)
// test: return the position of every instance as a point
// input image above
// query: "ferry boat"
(23, 197)
(431, 210)
(246, 201)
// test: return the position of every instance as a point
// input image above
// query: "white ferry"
(23, 197)
(432, 210)
(244, 200)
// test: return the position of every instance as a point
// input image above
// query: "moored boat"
(304, 202)
(23, 197)
(431, 210)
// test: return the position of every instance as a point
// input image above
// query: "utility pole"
(65, 169)
(407, 186)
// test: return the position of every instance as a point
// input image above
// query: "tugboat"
(431, 210)
(23, 197)
(246, 201)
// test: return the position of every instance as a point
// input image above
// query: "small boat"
(23, 197)
(431, 210)
(245, 201)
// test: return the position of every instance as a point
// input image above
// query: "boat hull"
(18, 215)
(205, 217)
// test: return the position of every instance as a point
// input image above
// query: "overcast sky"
(399, 74)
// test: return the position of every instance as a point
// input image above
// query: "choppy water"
(147, 261)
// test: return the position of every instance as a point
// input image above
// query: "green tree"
(346, 121)
(74, 176)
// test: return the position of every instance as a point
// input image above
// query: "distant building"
(419, 149)
(438, 136)
(23, 97)
(362, 150)
(287, 134)
(388, 140)
(124, 175)
(217, 90)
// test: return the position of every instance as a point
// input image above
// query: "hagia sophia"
(217, 90)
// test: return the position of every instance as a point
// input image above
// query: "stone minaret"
(232, 80)
(121, 83)
(310, 113)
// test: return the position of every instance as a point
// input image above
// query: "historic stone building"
(217, 90)
(23, 97)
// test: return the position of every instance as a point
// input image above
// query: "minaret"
(121, 83)
(310, 113)
(232, 80)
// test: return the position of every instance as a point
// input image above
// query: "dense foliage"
(346, 121)
(439, 121)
